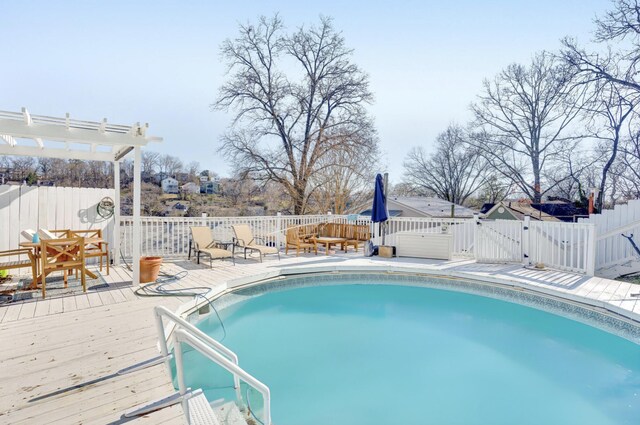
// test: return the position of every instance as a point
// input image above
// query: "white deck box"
(437, 246)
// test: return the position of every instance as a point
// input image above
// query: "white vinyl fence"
(169, 236)
(612, 248)
(31, 207)
(559, 245)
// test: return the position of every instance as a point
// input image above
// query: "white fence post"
(591, 251)
(526, 246)
(278, 230)
(476, 238)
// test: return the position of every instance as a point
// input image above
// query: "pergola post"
(115, 256)
(137, 170)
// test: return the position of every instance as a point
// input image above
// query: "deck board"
(65, 341)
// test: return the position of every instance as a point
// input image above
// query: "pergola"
(42, 136)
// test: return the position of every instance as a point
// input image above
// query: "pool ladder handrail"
(209, 347)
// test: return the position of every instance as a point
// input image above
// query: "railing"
(182, 336)
(161, 312)
(209, 347)
(169, 236)
(565, 246)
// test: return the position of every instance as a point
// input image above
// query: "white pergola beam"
(103, 125)
(55, 153)
(60, 133)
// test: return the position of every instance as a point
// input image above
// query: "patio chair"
(63, 255)
(92, 250)
(244, 239)
(298, 239)
(356, 235)
(8, 263)
(205, 244)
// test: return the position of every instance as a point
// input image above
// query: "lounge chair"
(298, 239)
(244, 239)
(205, 244)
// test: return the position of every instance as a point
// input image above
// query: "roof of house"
(561, 210)
(521, 209)
(433, 207)
(392, 213)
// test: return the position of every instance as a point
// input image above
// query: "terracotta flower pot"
(149, 269)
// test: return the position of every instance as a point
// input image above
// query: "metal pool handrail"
(181, 336)
(161, 311)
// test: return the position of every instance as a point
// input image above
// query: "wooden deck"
(59, 357)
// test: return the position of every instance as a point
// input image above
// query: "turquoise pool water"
(388, 354)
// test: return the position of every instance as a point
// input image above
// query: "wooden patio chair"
(93, 250)
(356, 235)
(17, 263)
(244, 239)
(62, 255)
(205, 244)
(298, 239)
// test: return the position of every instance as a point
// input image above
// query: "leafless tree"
(495, 189)
(453, 172)
(523, 120)
(343, 179)
(170, 165)
(150, 161)
(193, 169)
(629, 172)
(610, 109)
(618, 63)
(295, 97)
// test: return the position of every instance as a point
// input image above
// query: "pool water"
(387, 354)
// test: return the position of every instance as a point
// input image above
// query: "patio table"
(328, 242)
(36, 250)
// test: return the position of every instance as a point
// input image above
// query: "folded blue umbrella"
(379, 209)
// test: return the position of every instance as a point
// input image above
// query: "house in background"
(210, 187)
(555, 210)
(421, 206)
(190, 188)
(170, 185)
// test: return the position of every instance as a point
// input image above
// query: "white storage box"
(424, 245)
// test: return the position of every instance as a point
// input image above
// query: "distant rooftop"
(434, 207)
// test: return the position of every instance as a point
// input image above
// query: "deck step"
(229, 414)
(200, 411)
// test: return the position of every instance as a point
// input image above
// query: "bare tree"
(343, 180)
(150, 161)
(617, 64)
(523, 120)
(453, 172)
(629, 172)
(285, 123)
(169, 165)
(495, 189)
(193, 169)
(22, 166)
(611, 107)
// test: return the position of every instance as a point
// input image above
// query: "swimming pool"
(362, 350)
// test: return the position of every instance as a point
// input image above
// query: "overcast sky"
(158, 61)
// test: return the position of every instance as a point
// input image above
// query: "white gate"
(498, 241)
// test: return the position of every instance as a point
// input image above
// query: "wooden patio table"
(36, 251)
(330, 241)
